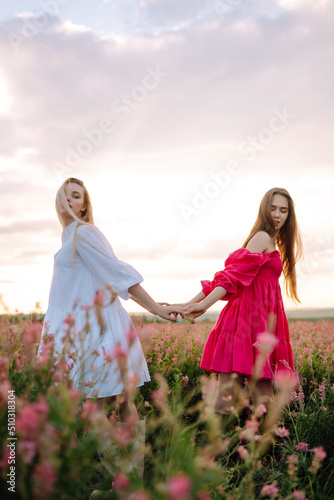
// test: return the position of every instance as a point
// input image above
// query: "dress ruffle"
(253, 292)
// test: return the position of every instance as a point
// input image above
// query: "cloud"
(221, 77)
(224, 79)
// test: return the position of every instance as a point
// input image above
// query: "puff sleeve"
(96, 252)
(241, 268)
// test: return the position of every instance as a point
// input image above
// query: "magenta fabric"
(252, 283)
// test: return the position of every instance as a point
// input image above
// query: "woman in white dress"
(84, 265)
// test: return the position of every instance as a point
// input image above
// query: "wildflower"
(121, 481)
(267, 342)
(107, 356)
(88, 408)
(99, 299)
(31, 418)
(319, 453)
(243, 452)
(69, 320)
(27, 450)
(158, 399)
(292, 461)
(281, 432)
(260, 410)
(302, 446)
(298, 495)
(185, 380)
(131, 336)
(309, 361)
(122, 435)
(178, 487)
(121, 355)
(269, 490)
(44, 478)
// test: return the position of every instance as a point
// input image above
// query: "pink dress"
(253, 291)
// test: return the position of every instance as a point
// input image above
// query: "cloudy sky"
(178, 115)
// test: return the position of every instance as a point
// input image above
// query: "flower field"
(51, 435)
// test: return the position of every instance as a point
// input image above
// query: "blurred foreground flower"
(179, 487)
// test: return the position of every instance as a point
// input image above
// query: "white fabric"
(74, 284)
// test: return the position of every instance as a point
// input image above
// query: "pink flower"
(286, 380)
(252, 425)
(31, 418)
(309, 361)
(158, 399)
(27, 450)
(267, 342)
(298, 495)
(282, 432)
(121, 481)
(260, 410)
(122, 435)
(33, 333)
(179, 487)
(319, 453)
(243, 453)
(107, 356)
(302, 446)
(69, 320)
(89, 407)
(269, 490)
(99, 299)
(131, 336)
(44, 478)
(119, 352)
(185, 380)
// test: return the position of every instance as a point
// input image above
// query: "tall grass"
(190, 452)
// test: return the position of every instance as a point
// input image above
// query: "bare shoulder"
(259, 243)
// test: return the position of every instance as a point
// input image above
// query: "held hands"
(186, 311)
(193, 311)
(165, 311)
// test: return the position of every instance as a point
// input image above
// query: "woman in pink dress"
(250, 284)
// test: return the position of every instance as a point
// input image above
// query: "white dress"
(74, 285)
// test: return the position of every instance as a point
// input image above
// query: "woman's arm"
(141, 304)
(200, 296)
(145, 300)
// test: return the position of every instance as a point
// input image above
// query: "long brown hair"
(288, 239)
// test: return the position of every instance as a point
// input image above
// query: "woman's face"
(279, 210)
(75, 198)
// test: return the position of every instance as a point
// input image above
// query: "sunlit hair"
(87, 214)
(61, 200)
(288, 240)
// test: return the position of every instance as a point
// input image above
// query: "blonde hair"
(87, 215)
(61, 199)
(288, 239)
